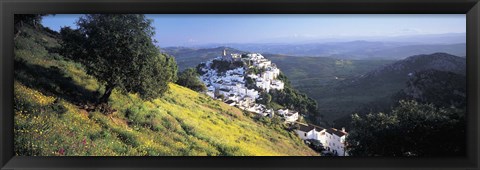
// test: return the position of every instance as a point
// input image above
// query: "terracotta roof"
(309, 127)
(337, 132)
(305, 128)
(317, 128)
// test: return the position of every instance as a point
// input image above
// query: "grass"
(49, 119)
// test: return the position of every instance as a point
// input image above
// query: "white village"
(230, 86)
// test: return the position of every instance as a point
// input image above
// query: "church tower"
(224, 52)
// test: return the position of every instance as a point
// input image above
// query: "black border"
(10, 7)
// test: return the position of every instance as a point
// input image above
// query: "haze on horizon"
(202, 29)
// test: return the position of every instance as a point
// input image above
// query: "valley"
(335, 83)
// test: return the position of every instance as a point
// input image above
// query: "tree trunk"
(106, 95)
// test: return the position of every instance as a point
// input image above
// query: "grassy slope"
(48, 120)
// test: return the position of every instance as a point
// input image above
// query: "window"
(305, 134)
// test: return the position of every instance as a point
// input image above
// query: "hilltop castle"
(231, 57)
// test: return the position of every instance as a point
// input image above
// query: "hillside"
(357, 50)
(191, 57)
(305, 72)
(51, 117)
(380, 84)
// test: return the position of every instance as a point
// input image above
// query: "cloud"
(408, 31)
(191, 40)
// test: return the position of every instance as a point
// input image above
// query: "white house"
(306, 131)
(289, 115)
(336, 141)
(252, 93)
(332, 139)
(277, 84)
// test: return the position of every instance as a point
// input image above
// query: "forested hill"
(414, 120)
(52, 115)
(380, 84)
(380, 87)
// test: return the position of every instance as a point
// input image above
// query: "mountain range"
(358, 50)
(384, 48)
(342, 98)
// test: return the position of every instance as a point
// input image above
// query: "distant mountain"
(191, 57)
(447, 38)
(343, 98)
(330, 49)
(355, 49)
(397, 53)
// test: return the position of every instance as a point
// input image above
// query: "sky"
(198, 29)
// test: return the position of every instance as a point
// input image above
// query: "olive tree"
(119, 51)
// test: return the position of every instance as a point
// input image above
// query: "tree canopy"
(411, 129)
(189, 78)
(119, 51)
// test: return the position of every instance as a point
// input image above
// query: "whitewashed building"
(332, 139)
(232, 86)
(289, 115)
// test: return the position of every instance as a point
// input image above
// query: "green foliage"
(411, 129)
(293, 99)
(31, 19)
(118, 50)
(199, 68)
(21, 20)
(265, 98)
(440, 88)
(222, 65)
(155, 75)
(255, 70)
(189, 78)
(282, 77)
(250, 83)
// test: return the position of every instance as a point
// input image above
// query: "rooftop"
(305, 128)
(230, 102)
(337, 132)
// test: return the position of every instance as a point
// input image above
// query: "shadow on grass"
(53, 81)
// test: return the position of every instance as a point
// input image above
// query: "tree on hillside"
(293, 99)
(29, 19)
(189, 78)
(118, 50)
(265, 98)
(411, 129)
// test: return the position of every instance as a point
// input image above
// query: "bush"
(189, 78)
